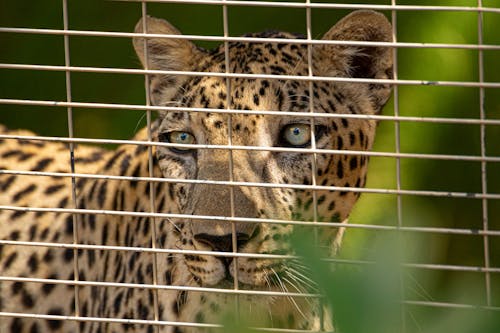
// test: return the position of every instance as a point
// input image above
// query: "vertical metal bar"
(152, 204)
(311, 109)
(399, 201)
(482, 129)
(310, 74)
(227, 63)
(67, 63)
(396, 114)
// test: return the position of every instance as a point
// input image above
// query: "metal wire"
(397, 141)
(456, 231)
(484, 182)
(76, 271)
(146, 322)
(328, 5)
(91, 33)
(464, 195)
(256, 112)
(258, 76)
(152, 204)
(483, 159)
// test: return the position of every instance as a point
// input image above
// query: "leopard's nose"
(222, 243)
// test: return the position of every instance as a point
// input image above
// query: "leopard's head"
(260, 175)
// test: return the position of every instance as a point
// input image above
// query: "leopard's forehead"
(250, 92)
(261, 57)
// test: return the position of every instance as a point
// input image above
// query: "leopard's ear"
(359, 61)
(162, 53)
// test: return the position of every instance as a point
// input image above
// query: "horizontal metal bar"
(253, 76)
(325, 5)
(257, 148)
(447, 305)
(145, 322)
(472, 232)
(336, 261)
(246, 39)
(466, 195)
(145, 250)
(440, 267)
(136, 107)
(105, 320)
(458, 268)
(225, 291)
(158, 287)
(452, 305)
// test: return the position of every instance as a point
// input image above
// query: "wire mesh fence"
(104, 229)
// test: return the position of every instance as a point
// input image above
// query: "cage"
(420, 251)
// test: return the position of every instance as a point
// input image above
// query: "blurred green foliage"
(443, 64)
(368, 298)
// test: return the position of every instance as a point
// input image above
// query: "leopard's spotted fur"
(129, 195)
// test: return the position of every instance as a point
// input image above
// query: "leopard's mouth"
(246, 272)
(243, 273)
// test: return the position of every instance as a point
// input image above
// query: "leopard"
(156, 234)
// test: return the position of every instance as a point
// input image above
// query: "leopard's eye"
(180, 137)
(296, 135)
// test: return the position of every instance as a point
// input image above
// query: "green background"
(415, 137)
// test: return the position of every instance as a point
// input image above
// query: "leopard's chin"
(229, 283)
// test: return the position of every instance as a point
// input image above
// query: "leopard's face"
(255, 166)
(210, 196)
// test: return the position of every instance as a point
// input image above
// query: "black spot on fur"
(112, 160)
(42, 164)
(140, 149)
(340, 170)
(16, 287)
(27, 299)
(352, 138)
(54, 188)
(63, 203)
(125, 164)
(27, 190)
(340, 143)
(34, 328)
(48, 256)
(16, 325)
(14, 235)
(48, 287)
(256, 100)
(67, 255)
(353, 163)
(101, 196)
(17, 214)
(33, 262)
(10, 259)
(11, 153)
(68, 228)
(91, 221)
(117, 303)
(54, 324)
(4, 186)
(44, 233)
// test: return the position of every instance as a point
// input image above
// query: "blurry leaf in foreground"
(361, 300)
(368, 298)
